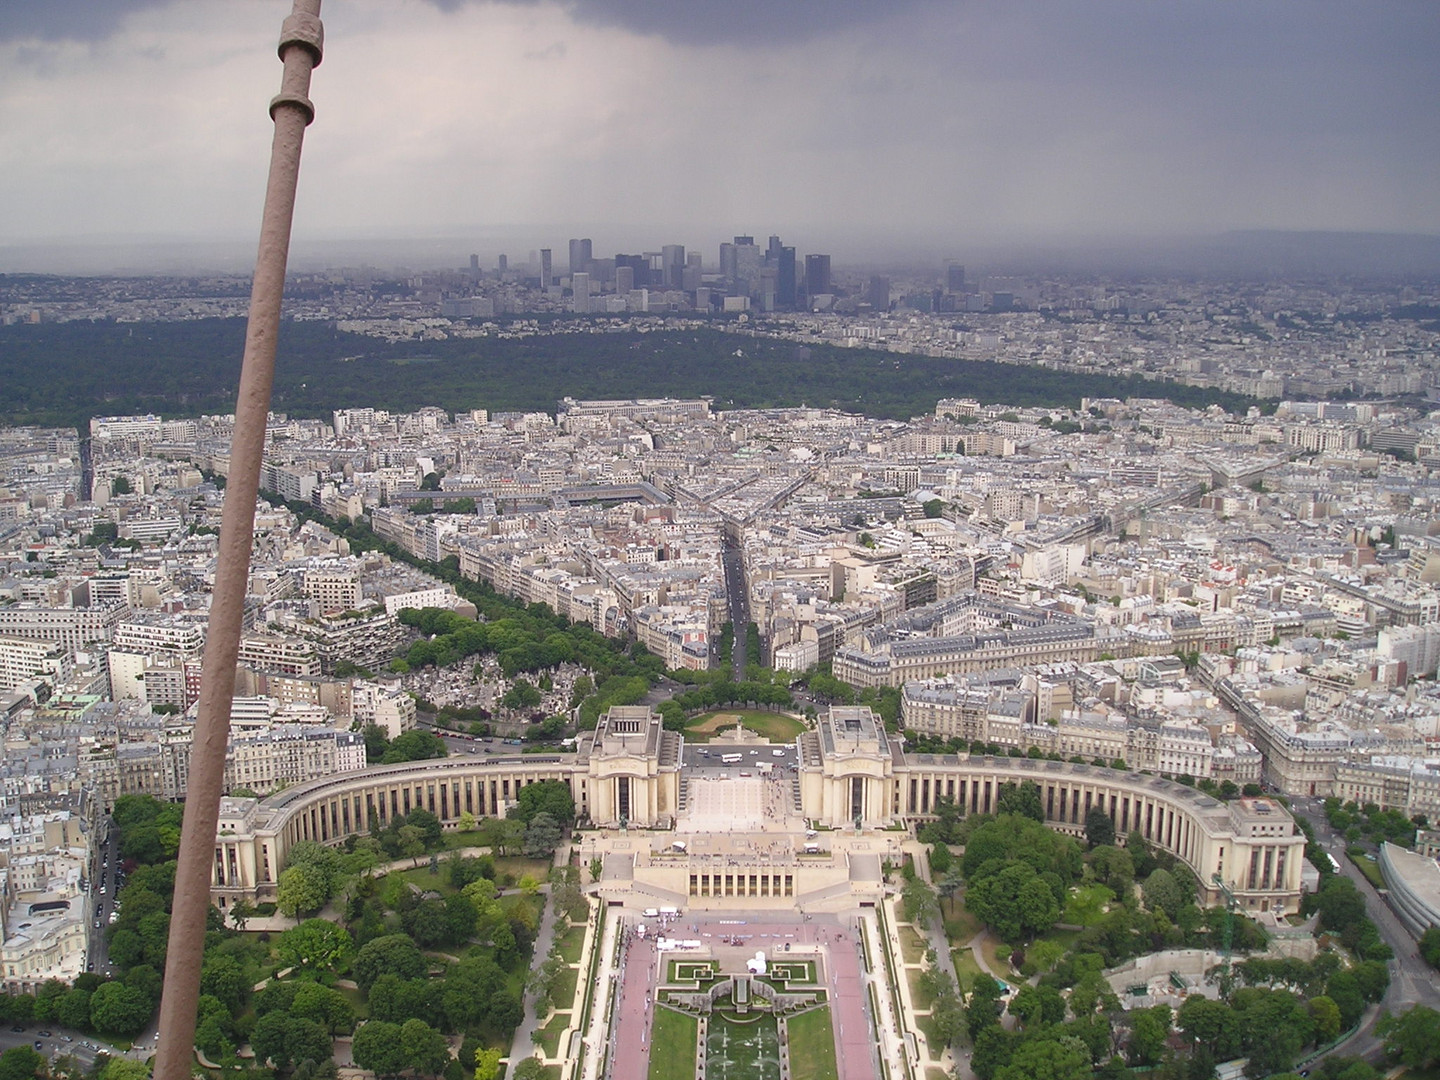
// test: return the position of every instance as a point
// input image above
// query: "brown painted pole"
(301, 42)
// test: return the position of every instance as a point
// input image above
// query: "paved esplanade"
(757, 880)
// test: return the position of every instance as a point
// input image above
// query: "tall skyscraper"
(877, 293)
(580, 256)
(954, 277)
(503, 265)
(580, 285)
(672, 257)
(639, 267)
(785, 278)
(547, 269)
(817, 274)
(624, 276)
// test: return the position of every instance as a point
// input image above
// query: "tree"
(1148, 1030)
(223, 978)
(532, 1068)
(918, 900)
(503, 835)
(1326, 1015)
(1340, 903)
(301, 889)
(118, 1009)
(551, 797)
(1413, 1037)
(377, 1047)
(487, 1065)
(1099, 829)
(124, 1069)
(1161, 893)
(241, 911)
(412, 842)
(393, 954)
(285, 1041)
(466, 822)
(326, 1007)
(1023, 799)
(1430, 946)
(1065, 1058)
(21, 1063)
(425, 1049)
(318, 944)
(542, 836)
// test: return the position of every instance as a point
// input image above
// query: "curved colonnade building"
(848, 778)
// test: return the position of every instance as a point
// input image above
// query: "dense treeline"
(63, 373)
(1021, 879)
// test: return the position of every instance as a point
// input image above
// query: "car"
(68, 1038)
(97, 924)
(39, 1045)
(44, 1034)
(18, 1027)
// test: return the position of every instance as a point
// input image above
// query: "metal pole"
(301, 45)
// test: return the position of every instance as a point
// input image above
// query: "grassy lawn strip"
(912, 945)
(920, 997)
(1370, 868)
(572, 943)
(965, 967)
(672, 1045)
(776, 727)
(812, 1046)
(549, 1036)
(563, 992)
(423, 879)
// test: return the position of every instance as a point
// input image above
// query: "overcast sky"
(833, 122)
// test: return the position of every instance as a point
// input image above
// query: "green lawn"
(912, 945)
(965, 967)
(422, 878)
(563, 992)
(518, 866)
(812, 1046)
(919, 995)
(1370, 868)
(672, 1045)
(776, 727)
(571, 943)
(549, 1035)
(1085, 905)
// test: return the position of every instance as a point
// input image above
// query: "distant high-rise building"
(581, 254)
(877, 293)
(475, 265)
(624, 276)
(954, 277)
(817, 274)
(745, 261)
(580, 285)
(503, 265)
(672, 257)
(547, 269)
(639, 267)
(785, 278)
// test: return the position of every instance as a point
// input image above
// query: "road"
(57, 1043)
(1412, 982)
(733, 559)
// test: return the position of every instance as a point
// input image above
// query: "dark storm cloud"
(744, 22)
(72, 20)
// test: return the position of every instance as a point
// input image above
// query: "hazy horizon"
(863, 128)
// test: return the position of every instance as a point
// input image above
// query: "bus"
(731, 759)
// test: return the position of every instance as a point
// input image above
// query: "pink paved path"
(633, 1012)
